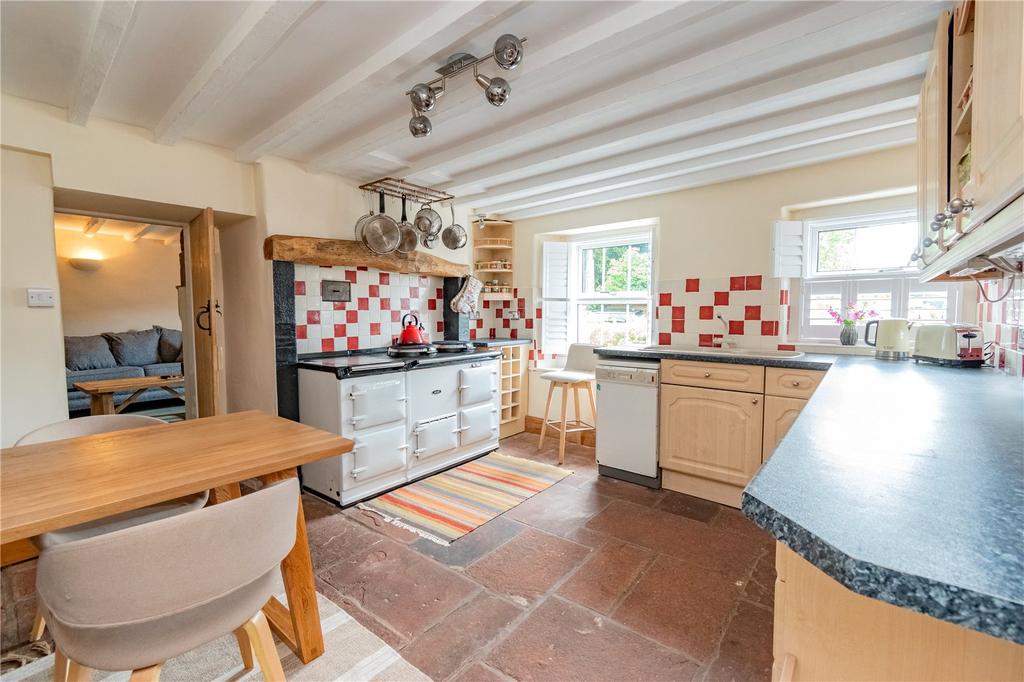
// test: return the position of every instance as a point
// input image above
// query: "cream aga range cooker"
(409, 416)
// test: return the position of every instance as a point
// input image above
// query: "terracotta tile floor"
(592, 579)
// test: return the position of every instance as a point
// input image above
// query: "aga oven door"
(376, 453)
(478, 424)
(478, 383)
(373, 401)
(434, 437)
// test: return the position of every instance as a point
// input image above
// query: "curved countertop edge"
(816, 361)
(988, 614)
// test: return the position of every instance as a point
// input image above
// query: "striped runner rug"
(446, 506)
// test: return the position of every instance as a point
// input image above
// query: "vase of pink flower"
(854, 314)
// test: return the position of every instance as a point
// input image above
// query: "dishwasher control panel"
(627, 375)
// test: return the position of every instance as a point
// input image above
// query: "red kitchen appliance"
(412, 332)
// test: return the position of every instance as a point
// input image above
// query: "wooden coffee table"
(101, 393)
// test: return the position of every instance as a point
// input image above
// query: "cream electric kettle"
(892, 338)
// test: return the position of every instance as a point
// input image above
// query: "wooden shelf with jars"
(493, 247)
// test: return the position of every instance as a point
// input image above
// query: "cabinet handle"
(754, 401)
(796, 383)
(707, 374)
(355, 472)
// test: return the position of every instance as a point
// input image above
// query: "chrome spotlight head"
(915, 256)
(423, 97)
(420, 126)
(935, 226)
(496, 90)
(508, 51)
(928, 241)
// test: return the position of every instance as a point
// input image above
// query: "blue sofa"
(121, 355)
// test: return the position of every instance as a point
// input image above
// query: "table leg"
(102, 403)
(298, 624)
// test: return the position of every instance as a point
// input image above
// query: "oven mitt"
(465, 302)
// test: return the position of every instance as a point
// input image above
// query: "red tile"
(752, 312)
(375, 328)
(506, 323)
(693, 285)
(493, 333)
(679, 326)
(300, 331)
(353, 343)
(787, 346)
(721, 298)
(312, 317)
(339, 305)
(506, 304)
(664, 299)
(472, 335)
(385, 304)
(783, 296)
(300, 288)
(737, 283)
(769, 328)
(514, 333)
(351, 316)
(487, 303)
(385, 278)
(440, 326)
(480, 323)
(396, 315)
(350, 276)
(362, 268)
(657, 312)
(678, 312)
(664, 339)
(403, 304)
(538, 315)
(736, 327)
(753, 283)
(529, 323)
(374, 291)
(431, 304)
(326, 345)
(340, 331)
(521, 303)
(414, 292)
(364, 303)
(707, 312)
(705, 340)
(438, 293)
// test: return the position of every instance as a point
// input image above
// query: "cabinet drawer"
(713, 375)
(791, 383)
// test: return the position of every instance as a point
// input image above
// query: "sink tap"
(727, 341)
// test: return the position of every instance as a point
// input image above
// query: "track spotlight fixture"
(507, 54)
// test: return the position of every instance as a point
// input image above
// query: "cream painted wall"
(32, 380)
(134, 287)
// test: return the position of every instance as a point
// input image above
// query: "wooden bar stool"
(577, 374)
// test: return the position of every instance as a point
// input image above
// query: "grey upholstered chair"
(131, 599)
(86, 426)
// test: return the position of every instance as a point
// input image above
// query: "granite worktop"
(817, 361)
(905, 483)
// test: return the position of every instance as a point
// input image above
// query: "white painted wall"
(32, 381)
(134, 287)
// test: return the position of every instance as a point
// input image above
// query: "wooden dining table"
(49, 486)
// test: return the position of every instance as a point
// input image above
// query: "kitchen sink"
(745, 352)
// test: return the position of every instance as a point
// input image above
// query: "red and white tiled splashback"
(1003, 324)
(755, 310)
(374, 315)
(518, 318)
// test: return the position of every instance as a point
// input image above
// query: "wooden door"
(932, 134)
(779, 415)
(711, 433)
(206, 320)
(997, 130)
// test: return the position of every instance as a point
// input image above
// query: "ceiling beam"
(452, 23)
(829, 151)
(140, 232)
(112, 20)
(753, 129)
(895, 119)
(579, 44)
(876, 68)
(254, 36)
(816, 35)
(93, 225)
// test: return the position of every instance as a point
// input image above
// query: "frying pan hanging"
(381, 233)
(407, 242)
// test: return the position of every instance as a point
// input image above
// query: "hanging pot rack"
(399, 188)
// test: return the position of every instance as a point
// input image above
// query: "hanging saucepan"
(380, 233)
(427, 220)
(361, 223)
(407, 243)
(428, 241)
(454, 236)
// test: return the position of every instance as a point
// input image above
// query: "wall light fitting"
(85, 264)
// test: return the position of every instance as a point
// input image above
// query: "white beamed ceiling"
(613, 100)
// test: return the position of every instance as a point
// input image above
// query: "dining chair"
(134, 598)
(87, 426)
(578, 373)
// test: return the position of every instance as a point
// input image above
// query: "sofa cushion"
(163, 369)
(136, 349)
(87, 352)
(101, 374)
(169, 347)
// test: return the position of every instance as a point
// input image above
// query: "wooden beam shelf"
(348, 252)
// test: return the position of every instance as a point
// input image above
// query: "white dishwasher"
(627, 420)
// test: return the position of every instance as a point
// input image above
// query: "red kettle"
(411, 332)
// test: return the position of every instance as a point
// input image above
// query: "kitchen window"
(864, 260)
(606, 299)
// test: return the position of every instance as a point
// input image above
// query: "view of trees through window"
(615, 269)
(621, 275)
(874, 247)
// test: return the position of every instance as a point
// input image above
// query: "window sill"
(834, 348)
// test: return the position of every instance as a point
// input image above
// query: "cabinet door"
(791, 383)
(932, 141)
(375, 453)
(478, 424)
(997, 130)
(779, 415)
(435, 437)
(433, 392)
(478, 383)
(713, 375)
(376, 401)
(711, 433)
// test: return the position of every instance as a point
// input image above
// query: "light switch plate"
(42, 298)
(331, 290)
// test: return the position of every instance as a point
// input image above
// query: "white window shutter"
(787, 248)
(555, 293)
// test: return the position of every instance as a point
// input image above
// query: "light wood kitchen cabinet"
(779, 415)
(791, 383)
(932, 123)
(711, 433)
(713, 375)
